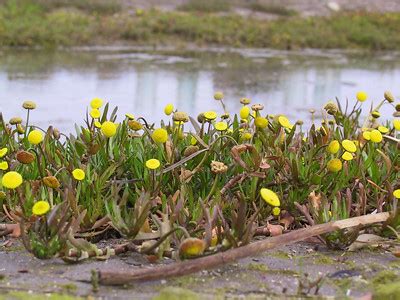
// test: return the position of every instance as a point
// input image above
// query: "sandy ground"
(304, 7)
(275, 272)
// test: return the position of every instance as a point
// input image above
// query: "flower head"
(210, 115)
(376, 136)
(396, 125)
(180, 116)
(218, 167)
(362, 96)
(35, 137)
(334, 165)
(334, 147)
(95, 113)
(221, 126)
(153, 164)
(246, 135)
(3, 165)
(349, 146)
(160, 135)
(97, 124)
(261, 122)
(284, 122)
(389, 96)
(25, 157)
(15, 121)
(276, 211)
(11, 180)
(51, 182)
(396, 193)
(29, 105)
(245, 101)
(376, 114)
(347, 156)
(244, 112)
(168, 109)
(366, 135)
(78, 174)
(108, 129)
(96, 103)
(218, 96)
(135, 125)
(270, 197)
(3, 152)
(130, 116)
(257, 107)
(40, 208)
(383, 129)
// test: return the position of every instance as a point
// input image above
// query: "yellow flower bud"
(334, 165)
(35, 137)
(109, 129)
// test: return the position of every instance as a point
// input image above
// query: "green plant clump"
(202, 183)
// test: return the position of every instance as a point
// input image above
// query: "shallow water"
(142, 82)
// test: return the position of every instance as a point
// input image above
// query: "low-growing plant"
(204, 183)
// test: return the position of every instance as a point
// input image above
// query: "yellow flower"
(218, 96)
(347, 156)
(3, 165)
(96, 103)
(396, 124)
(270, 197)
(349, 146)
(366, 135)
(334, 165)
(130, 116)
(11, 180)
(246, 135)
(78, 174)
(221, 126)
(35, 137)
(29, 105)
(334, 147)
(97, 124)
(376, 136)
(135, 125)
(168, 109)
(40, 208)
(383, 129)
(284, 122)
(108, 129)
(245, 101)
(276, 211)
(3, 152)
(261, 122)
(153, 164)
(244, 112)
(396, 193)
(95, 113)
(210, 115)
(362, 96)
(160, 135)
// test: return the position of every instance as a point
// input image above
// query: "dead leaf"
(315, 200)
(275, 230)
(286, 220)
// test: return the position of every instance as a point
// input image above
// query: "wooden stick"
(216, 260)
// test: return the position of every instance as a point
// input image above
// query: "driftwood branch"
(213, 261)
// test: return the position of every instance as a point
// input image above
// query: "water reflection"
(141, 83)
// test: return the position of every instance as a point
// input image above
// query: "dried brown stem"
(213, 261)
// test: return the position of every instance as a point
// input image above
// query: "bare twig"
(213, 261)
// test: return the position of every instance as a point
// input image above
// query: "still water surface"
(142, 82)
